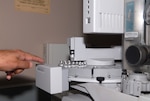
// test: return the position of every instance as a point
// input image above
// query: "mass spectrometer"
(97, 70)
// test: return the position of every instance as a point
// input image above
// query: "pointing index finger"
(29, 57)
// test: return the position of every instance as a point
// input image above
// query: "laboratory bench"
(22, 89)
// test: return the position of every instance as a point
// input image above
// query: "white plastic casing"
(103, 16)
(52, 79)
(82, 53)
(49, 79)
(53, 53)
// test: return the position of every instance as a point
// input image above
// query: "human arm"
(15, 61)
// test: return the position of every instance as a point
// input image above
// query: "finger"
(35, 59)
(8, 77)
(24, 65)
(18, 71)
(11, 73)
(29, 57)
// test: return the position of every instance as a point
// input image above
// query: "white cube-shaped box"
(49, 78)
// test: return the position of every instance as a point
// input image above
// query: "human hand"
(15, 61)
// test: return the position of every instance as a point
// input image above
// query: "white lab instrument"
(103, 16)
(52, 79)
(53, 53)
(135, 81)
(82, 67)
(46, 81)
(79, 52)
(96, 71)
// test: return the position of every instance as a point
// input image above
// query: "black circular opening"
(133, 55)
